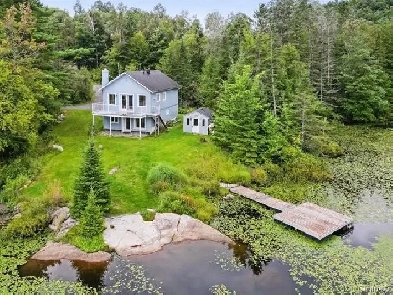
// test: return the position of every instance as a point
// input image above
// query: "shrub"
(332, 150)
(173, 202)
(258, 176)
(163, 175)
(33, 220)
(89, 245)
(12, 189)
(148, 215)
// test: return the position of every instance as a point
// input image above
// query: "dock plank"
(308, 218)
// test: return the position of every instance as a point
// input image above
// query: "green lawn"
(134, 157)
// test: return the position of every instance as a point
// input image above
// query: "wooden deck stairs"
(308, 218)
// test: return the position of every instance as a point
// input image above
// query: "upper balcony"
(102, 109)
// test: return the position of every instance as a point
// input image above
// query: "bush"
(75, 237)
(164, 176)
(148, 215)
(92, 220)
(332, 150)
(12, 189)
(32, 221)
(172, 202)
(258, 176)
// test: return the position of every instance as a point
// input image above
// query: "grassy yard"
(134, 158)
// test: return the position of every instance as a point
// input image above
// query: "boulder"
(228, 197)
(58, 251)
(66, 226)
(58, 147)
(58, 217)
(113, 170)
(131, 235)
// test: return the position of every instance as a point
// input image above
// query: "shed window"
(114, 119)
(158, 96)
(164, 96)
(203, 122)
(196, 122)
(141, 123)
(142, 100)
(112, 98)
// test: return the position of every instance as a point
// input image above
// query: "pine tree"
(92, 220)
(90, 178)
(236, 119)
(210, 82)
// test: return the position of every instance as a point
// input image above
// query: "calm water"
(194, 267)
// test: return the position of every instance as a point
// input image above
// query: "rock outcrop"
(57, 251)
(58, 217)
(131, 235)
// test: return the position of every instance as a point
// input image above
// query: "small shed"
(198, 121)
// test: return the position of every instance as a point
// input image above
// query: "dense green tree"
(92, 219)
(237, 128)
(210, 83)
(90, 177)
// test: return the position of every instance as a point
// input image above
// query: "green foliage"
(92, 221)
(258, 176)
(33, 220)
(148, 215)
(174, 202)
(163, 177)
(12, 189)
(76, 237)
(91, 178)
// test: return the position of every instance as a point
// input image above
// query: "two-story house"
(138, 102)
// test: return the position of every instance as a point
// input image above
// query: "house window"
(112, 99)
(142, 101)
(114, 119)
(203, 122)
(167, 112)
(158, 96)
(130, 101)
(196, 122)
(188, 121)
(164, 99)
(141, 123)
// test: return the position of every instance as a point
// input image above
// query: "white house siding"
(169, 107)
(126, 85)
(203, 130)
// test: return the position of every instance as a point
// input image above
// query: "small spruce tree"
(92, 220)
(91, 177)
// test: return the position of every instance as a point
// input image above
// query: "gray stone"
(228, 185)
(57, 251)
(113, 170)
(228, 197)
(131, 235)
(58, 217)
(100, 147)
(66, 226)
(3, 209)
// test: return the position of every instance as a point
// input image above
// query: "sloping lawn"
(133, 157)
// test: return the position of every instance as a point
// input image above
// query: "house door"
(195, 126)
(127, 125)
(126, 102)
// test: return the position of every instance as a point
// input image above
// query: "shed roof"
(156, 81)
(205, 112)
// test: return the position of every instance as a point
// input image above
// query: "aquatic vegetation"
(133, 281)
(221, 290)
(228, 262)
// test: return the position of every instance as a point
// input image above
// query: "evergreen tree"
(210, 82)
(90, 178)
(92, 220)
(238, 114)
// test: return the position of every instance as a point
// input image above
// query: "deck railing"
(107, 109)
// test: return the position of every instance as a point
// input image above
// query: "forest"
(302, 95)
(276, 78)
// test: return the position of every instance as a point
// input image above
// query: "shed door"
(195, 125)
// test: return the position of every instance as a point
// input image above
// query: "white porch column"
(140, 128)
(110, 126)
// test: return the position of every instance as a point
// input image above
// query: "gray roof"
(156, 81)
(206, 112)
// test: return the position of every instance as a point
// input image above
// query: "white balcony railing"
(107, 109)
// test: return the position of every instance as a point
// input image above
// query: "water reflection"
(186, 268)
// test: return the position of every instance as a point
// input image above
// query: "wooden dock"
(309, 218)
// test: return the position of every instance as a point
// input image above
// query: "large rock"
(130, 234)
(66, 226)
(57, 251)
(58, 217)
